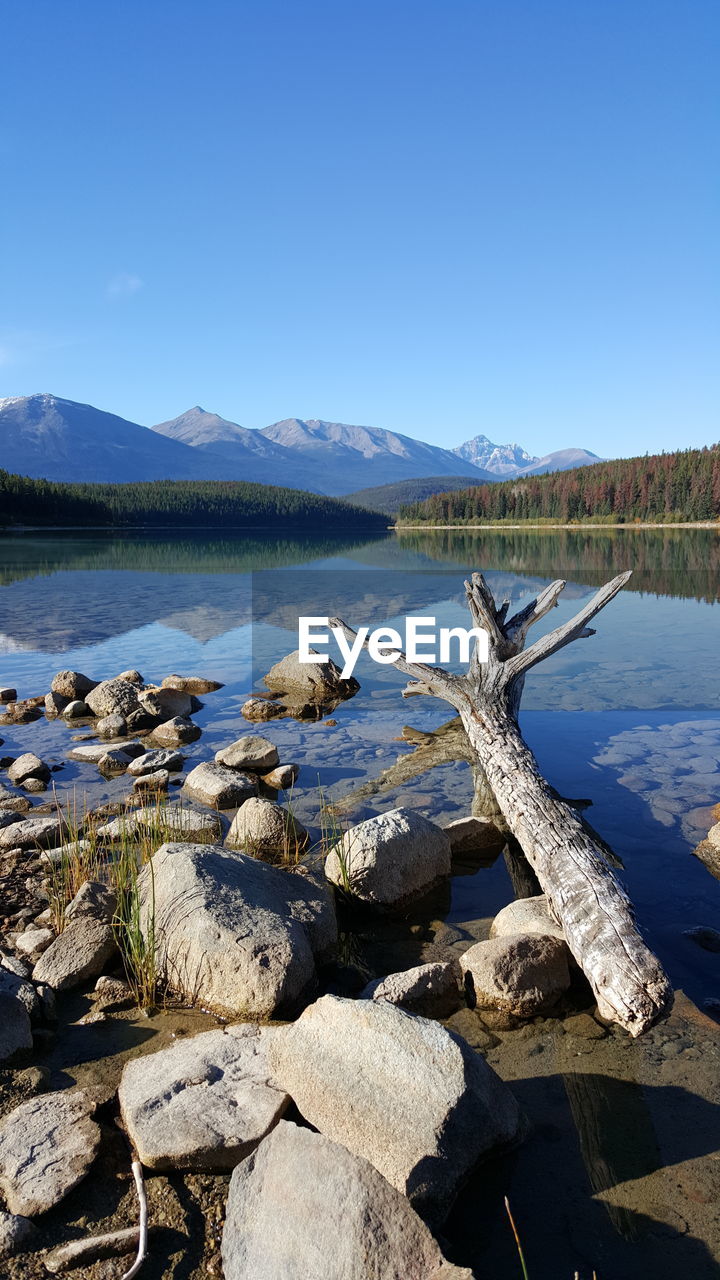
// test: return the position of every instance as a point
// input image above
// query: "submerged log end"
(639, 1007)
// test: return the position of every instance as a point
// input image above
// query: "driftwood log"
(595, 913)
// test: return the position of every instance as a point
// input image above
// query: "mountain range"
(44, 436)
(509, 460)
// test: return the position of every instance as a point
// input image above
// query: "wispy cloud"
(21, 346)
(124, 285)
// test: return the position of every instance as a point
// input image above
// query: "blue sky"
(442, 217)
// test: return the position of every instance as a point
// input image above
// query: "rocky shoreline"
(361, 1108)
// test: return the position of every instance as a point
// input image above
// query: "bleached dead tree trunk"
(595, 913)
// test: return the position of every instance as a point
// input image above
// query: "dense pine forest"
(174, 503)
(666, 487)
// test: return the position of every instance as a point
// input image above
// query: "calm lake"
(629, 718)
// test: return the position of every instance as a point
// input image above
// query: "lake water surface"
(629, 719)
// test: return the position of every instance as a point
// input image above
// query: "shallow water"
(629, 718)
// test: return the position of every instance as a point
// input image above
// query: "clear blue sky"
(442, 217)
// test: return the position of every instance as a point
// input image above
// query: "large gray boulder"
(397, 1089)
(112, 697)
(44, 831)
(250, 752)
(432, 990)
(303, 1207)
(526, 915)
(317, 681)
(47, 1146)
(204, 1103)
(234, 934)
(170, 820)
(390, 859)
(522, 974)
(266, 830)
(218, 786)
(80, 952)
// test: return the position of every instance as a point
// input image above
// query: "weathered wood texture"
(630, 985)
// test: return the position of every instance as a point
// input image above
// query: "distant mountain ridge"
(505, 461)
(500, 459)
(47, 437)
(331, 457)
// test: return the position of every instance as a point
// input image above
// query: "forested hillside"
(665, 487)
(180, 504)
(391, 497)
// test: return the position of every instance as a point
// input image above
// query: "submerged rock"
(259, 709)
(704, 936)
(390, 859)
(233, 933)
(340, 1218)
(520, 974)
(397, 1089)
(204, 1103)
(432, 990)
(47, 1146)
